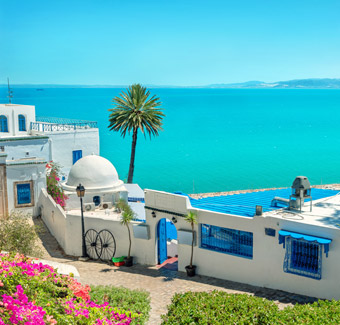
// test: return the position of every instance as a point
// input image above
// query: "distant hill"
(325, 83)
(291, 84)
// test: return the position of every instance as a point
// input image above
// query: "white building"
(284, 249)
(27, 143)
(103, 190)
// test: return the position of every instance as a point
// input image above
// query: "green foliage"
(218, 307)
(137, 301)
(18, 234)
(127, 216)
(127, 213)
(135, 110)
(191, 218)
(53, 186)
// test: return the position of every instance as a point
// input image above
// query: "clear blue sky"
(175, 42)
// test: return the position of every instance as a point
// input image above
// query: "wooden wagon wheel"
(108, 245)
(93, 244)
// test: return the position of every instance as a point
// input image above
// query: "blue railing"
(52, 124)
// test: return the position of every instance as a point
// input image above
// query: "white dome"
(94, 173)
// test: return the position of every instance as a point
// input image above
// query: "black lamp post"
(81, 192)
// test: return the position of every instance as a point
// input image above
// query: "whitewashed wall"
(266, 267)
(63, 143)
(12, 111)
(29, 148)
(66, 228)
(25, 172)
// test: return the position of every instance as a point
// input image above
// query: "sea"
(213, 139)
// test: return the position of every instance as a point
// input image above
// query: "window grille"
(22, 123)
(303, 258)
(228, 241)
(77, 154)
(3, 123)
(24, 193)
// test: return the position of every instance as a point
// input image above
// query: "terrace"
(57, 124)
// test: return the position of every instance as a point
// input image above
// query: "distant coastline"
(313, 83)
(334, 186)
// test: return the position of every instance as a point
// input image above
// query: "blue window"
(303, 258)
(96, 200)
(3, 123)
(228, 241)
(24, 193)
(22, 122)
(77, 154)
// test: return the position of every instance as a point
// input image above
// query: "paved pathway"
(161, 283)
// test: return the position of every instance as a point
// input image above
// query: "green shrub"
(18, 234)
(218, 307)
(321, 312)
(137, 301)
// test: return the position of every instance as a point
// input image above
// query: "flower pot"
(128, 261)
(191, 271)
(118, 261)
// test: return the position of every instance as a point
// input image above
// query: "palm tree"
(191, 218)
(135, 110)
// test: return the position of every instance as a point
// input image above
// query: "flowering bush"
(33, 293)
(53, 186)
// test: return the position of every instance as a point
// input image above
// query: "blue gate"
(162, 242)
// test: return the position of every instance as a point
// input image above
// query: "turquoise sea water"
(215, 139)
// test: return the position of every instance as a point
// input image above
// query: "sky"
(177, 42)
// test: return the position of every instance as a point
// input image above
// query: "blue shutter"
(22, 123)
(77, 154)
(3, 123)
(24, 193)
(162, 245)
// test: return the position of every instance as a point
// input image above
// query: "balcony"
(57, 124)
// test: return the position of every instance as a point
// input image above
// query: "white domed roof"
(94, 173)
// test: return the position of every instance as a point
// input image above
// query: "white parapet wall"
(66, 228)
(265, 268)
(54, 218)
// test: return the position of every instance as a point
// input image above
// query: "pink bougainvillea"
(53, 186)
(34, 294)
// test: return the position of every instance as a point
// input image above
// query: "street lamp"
(81, 192)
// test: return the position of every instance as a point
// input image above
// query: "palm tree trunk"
(192, 245)
(133, 152)
(129, 241)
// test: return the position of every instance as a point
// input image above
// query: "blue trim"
(77, 154)
(22, 122)
(136, 199)
(23, 193)
(3, 123)
(303, 258)
(225, 240)
(322, 241)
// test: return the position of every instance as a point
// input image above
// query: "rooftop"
(244, 204)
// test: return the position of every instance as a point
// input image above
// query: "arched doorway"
(167, 255)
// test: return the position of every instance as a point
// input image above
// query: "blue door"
(162, 246)
(77, 154)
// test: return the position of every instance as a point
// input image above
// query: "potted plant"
(127, 217)
(191, 218)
